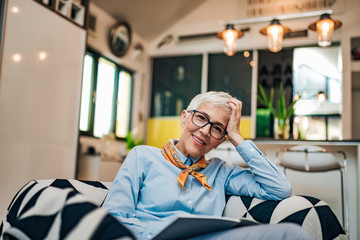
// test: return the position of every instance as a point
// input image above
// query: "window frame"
(96, 56)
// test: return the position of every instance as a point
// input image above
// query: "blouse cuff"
(248, 150)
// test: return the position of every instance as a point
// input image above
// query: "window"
(318, 71)
(106, 97)
(233, 75)
(175, 81)
(308, 72)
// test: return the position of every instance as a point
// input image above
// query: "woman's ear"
(184, 114)
(222, 140)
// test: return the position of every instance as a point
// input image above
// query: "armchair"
(61, 208)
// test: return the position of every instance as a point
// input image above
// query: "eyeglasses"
(199, 119)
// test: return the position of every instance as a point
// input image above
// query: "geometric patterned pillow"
(312, 214)
(93, 190)
(39, 211)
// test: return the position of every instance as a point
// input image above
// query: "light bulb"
(275, 33)
(275, 37)
(325, 30)
(229, 38)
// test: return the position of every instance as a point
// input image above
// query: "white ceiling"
(148, 18)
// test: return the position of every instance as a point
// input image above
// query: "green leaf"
(282, 112)
(281, 104)
(272, 96)
(291, 109)
(265, 99)
(261, 100)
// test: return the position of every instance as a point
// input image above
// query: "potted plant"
(132, 141)
(281, 115)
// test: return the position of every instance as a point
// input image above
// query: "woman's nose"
(206, 129)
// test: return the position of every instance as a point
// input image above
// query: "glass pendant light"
(275, 33)
(230, 36)
(325, 28)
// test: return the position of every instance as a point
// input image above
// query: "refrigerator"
(41, 64)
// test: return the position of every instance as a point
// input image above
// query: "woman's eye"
(201, 118)
(218, 129)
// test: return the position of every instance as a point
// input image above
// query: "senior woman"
(154, 185)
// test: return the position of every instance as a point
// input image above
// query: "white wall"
(39, 99)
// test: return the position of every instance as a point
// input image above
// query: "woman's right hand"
(233, 127)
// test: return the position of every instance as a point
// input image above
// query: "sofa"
(70, 209)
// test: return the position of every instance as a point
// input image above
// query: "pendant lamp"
(325, 28)
(230, 35)
(275, 33)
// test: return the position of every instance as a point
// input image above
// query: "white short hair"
(219, 99)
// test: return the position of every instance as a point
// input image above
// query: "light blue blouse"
(145, 195)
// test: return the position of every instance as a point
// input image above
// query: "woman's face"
(196, 141)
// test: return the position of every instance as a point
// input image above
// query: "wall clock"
(120, 38)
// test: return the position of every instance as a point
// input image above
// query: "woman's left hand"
(233, 127)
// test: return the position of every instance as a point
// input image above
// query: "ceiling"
(148, 18)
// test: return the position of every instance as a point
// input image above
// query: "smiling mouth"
(198, 140)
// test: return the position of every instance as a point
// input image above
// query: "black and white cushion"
(55, 210)
(69, 209)
(94, 191)
(312, 214)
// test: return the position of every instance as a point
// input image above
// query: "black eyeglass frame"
(208, 122)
